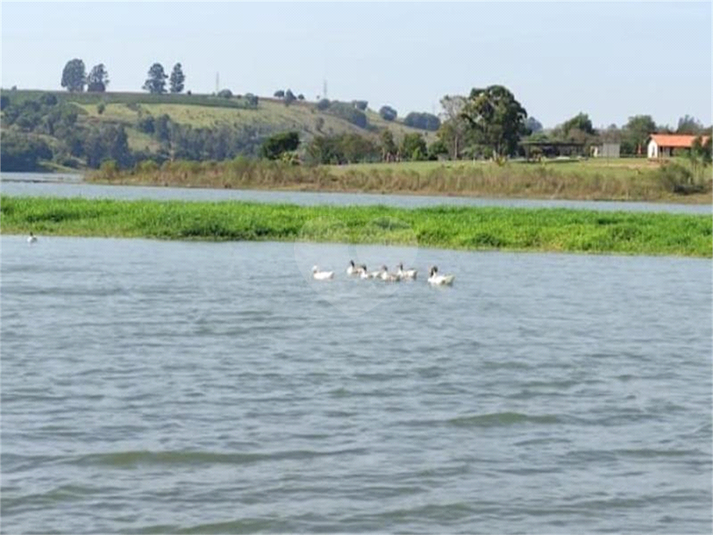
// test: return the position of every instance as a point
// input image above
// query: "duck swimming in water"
(31, 238)
(440, 280)
(355, 269)
(321, 275)
(408, 274)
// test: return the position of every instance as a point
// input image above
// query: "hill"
(242, 121)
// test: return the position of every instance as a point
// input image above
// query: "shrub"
(388, 113)
(323, 104)
(681, 179)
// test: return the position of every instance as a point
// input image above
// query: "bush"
(388, 113)
(48, 99)
(274, 146)
(349, 113)
(677, 178)
(100, 108)
(323, 104)
(225, 93)
(424, 121)
(109, 168)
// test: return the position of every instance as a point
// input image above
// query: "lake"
(188, 387)
(53, 185)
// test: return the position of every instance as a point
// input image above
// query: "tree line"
(76, 79)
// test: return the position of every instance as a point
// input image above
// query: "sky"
(611, 60)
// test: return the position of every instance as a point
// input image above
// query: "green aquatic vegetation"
(471, 228)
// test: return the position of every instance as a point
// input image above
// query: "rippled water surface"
(53, 185)
(169, 387)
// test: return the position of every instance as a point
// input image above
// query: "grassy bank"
(586, 180)
(444, 227)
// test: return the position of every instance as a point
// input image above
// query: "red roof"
(675, 141)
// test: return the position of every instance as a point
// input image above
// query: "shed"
(662, 145)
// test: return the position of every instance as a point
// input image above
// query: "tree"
(323, 104)
(279, 93)
(636, 132)
(274, 146)
(388, 146)
(388, 113)
(98, 79)
(424, 121)
(689, 125)
(453, 129)
(156, 81)
(74, 76)
(413, 147)
(300, 97)
(289, 97)
(360, 104)
(533, 125)
(580, 122)
(496, 118)
(702, 149)
(177, 79)
(225, 93)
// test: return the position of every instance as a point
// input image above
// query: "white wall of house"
(653, 149)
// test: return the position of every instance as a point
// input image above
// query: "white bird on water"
(354, 269)
(321, 275)
(440, 280)
(384, 275)
(32, 238)
(406, 274)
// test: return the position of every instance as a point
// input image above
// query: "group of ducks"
(401, 274)
(359, 270)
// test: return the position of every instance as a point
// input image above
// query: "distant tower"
(217, 82)
(324, 89)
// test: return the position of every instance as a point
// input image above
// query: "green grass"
(466, 228)
(586, 180)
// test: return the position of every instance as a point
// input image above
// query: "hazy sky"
(610, 60)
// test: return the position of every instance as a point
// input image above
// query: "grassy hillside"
(206, 111)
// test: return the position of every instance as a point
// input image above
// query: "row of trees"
(75, 78)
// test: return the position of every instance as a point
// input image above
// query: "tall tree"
(74, 76)
(388, 146)
(156, 82)
(689, 125)
(496, 118)
(635, 133)
(98, 79)
(580, 122)
(177, 80)
(453, 128)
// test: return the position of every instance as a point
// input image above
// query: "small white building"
(606, 150)
(662, 145)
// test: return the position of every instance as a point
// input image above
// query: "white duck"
(364, 274)
(321, 275)
(354, 269)
(31, 238)
(440, 280)
(408, 274)
(384, 275)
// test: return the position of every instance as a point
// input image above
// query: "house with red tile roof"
(663, 145)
